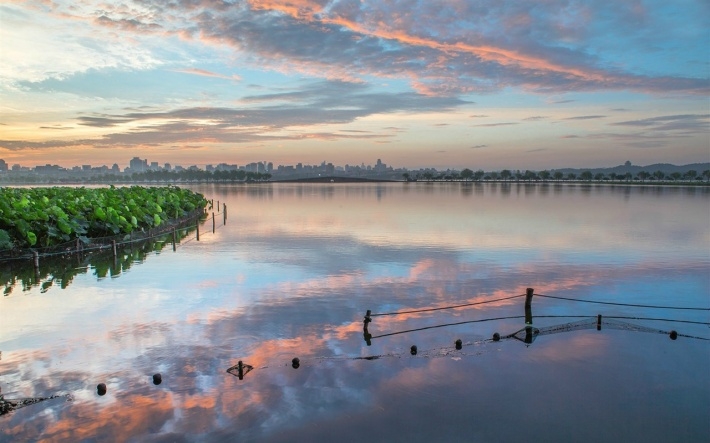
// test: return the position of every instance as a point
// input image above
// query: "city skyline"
(436, 84)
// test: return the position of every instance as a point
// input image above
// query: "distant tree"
(505, 174)
(478, 175)
(530, 175)
(690, 175)
(571, 176)
(675, 176)
(467, 174)
(599, 176)
(494, 175)
(628, 176)
(558, 175)
(545, 175)
(643, 175)
(586, 176)
(518, 175)
(659, 175)
(406, 176)
(706, 174)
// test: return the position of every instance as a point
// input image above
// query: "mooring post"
(224, 217)
(197, 225)
(365, 333)
(224, 209)
(528, 305)
(113, 246)
(599, 322)
(213, 222)
(240, 370)
(528, 315)
(35, 257)
(174, 240)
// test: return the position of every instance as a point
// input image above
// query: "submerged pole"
(174, 240)
(197, 226)
(113, 246)
(213, 222)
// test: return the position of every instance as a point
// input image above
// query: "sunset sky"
(418, 83)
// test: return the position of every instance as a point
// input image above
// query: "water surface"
(295, 268)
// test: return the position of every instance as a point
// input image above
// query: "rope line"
(447, 307)
(622, 304)
(450, 324)
(592, 318)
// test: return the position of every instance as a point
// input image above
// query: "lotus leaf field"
(43, 217)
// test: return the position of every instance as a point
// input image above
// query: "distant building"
(138, 165)
(3, 166)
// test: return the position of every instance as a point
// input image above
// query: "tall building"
(3, 165)
(138, 165)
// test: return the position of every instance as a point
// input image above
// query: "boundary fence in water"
(527, 334)
(77, 246)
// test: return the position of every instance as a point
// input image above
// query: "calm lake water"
(296, 267)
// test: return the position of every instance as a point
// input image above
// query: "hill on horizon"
(666, 168)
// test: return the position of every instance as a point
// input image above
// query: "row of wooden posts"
(79, 246)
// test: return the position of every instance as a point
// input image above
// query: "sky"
(500, 84)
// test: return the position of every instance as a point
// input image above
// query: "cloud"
(586, 117)
(535, 118)
(683, 122)
(491, 125)
(479, 146)
(314, 104)
(205, 73)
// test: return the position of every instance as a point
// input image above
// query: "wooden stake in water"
(213, 222)
(174, 240)
(197, 225)
(528, 305)
(113, 246)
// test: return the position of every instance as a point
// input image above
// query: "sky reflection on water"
(295, 268)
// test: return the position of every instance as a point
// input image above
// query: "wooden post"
(213, 222)
(528, 316)
(113, 246)
(197, 225)
(599, 322)
(240, 370)
(78, 246)
(35, 259)
(528, 305)
(224, 218)
(174, 239)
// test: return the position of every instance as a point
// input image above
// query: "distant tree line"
(558, 176)
(187, 175)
